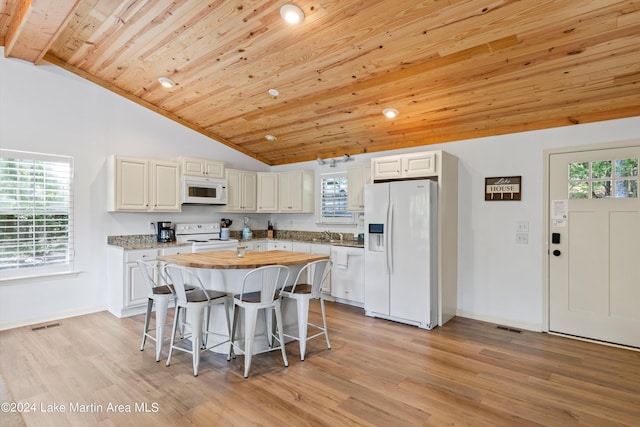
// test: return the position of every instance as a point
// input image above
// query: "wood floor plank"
(377, 373)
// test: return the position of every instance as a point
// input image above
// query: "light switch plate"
(522, 238)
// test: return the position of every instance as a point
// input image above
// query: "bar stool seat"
(198, 304)
(260, 291)
(162, 296)
(302, 292)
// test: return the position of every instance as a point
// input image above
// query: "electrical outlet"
(522, 238)
(152, 226)
(522, 227)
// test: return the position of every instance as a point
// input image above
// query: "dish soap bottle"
(246, 231)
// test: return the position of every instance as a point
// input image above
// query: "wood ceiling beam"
(35, 26)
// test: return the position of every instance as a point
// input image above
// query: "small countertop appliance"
(165, 232)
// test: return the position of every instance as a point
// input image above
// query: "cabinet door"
(192, 167)
(132, 184)
(357, 177)
(248, 196)
(347, 281)
(213, 169)
(135, 289)
(262, 246)
(267, 192)
(165, 187)
(418, 165)
(387, 167)
(285, 191)
(234, 190)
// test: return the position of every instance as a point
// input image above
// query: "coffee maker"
(165, 232)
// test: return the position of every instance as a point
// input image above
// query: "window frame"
(63, 261)
(348, 217)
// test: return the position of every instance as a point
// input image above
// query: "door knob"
(556, 253)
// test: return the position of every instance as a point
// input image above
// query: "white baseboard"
(49, 317)
(536, 327)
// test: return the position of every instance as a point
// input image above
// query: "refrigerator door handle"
(389, 239)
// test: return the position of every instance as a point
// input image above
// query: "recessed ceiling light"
(390, 112)
(270, 138)
(167, 82)
(292, 14)
(274, 92)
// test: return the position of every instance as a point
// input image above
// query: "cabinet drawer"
(145, 255)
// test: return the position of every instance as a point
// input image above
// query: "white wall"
(45, 109)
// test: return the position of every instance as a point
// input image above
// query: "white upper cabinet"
(165, 186)
(413, 165)
(296, 191)
(389, 167)
(130, 184)
(241, 191)
(202, 167)
(357, 177)
(142, 185)
(416, 165)
(267, 191)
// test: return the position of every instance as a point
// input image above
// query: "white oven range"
(204, 237)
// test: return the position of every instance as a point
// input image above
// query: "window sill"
(38, 278)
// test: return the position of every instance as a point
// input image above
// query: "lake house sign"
(503, 188)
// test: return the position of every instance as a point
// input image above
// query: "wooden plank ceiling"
(454, 69)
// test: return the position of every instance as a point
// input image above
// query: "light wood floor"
(377, 373)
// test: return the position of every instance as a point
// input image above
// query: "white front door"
(594, 245)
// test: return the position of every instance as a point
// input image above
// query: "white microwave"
(204, 191)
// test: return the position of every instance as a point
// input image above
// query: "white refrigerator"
(401, 252)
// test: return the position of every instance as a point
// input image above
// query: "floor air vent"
(38, 328)
(508, 329)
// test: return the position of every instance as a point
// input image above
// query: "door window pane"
(601, 189)
(626, 167)
(627, 188)
(579, 190)
(578, 171)
(601, 169)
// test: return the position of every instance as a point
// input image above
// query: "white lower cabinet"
(249, 246)
(279, 245)
(347, 275)
(127, 290)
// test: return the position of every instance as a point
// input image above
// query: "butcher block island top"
(230, 259)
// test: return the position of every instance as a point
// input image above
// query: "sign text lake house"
(503, 188)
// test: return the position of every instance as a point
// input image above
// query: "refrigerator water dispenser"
(376, 237)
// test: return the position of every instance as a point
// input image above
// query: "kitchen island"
(229, 260)
(224, 271)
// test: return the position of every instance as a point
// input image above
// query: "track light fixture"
(332, 162)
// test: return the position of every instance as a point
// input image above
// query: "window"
(35, 214)
(333, 198)
(604, 179)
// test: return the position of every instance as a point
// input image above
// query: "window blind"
(333, 193)
(36, 200)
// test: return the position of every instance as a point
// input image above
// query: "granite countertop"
(332, 242)
(140, 241)
(148, 241)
